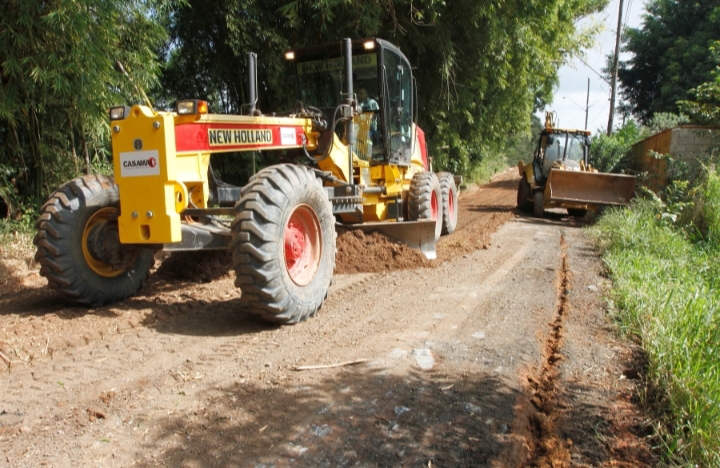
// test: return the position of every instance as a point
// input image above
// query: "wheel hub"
(302, 245)
(103, 252)
(294, 244)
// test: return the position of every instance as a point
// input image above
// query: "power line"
(627, 16)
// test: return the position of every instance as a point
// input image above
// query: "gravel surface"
(499, 353)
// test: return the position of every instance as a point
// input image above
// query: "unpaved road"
(500, 353)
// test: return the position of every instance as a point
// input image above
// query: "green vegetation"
(670, 55)
(663, 257)
(57, 80)
(705, 107)
(482, 69)
(609, 153)
(606, 151)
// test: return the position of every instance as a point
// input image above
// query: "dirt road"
(499, 353)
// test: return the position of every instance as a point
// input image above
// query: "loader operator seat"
(553, 152)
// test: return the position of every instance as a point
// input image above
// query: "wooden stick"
(5, 358)
(327, 366)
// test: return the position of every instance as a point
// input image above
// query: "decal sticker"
(139, 163)
(287, 136)
(230, 137)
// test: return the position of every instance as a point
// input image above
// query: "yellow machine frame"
(161, 162)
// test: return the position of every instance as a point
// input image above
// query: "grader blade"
(591, 188)
(416, 234)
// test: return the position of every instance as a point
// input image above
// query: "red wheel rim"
(434, 206)
(303, 246)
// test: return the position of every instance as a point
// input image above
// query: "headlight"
(192, 106)
(119, 112)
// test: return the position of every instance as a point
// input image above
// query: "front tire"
(448, 193)
(539, 206)
(523, 196)
(283, 244)
(424, 200)
(78, 244)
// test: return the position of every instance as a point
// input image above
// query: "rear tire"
(523, 196)
(283, 244)
(539, 206)
(424, 200)
(448, 193)
(78, 245)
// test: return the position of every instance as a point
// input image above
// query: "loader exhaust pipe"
(252, 82)
(349, 101)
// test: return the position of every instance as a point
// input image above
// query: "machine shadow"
(554, 218)
(355, 417)
(172, 272)
(196, 317)
(489, 208)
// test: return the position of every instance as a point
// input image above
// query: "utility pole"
(587, 103)
(613, 84)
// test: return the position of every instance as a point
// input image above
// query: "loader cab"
(558, 147)
(384, 134)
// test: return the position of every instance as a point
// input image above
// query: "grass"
(667, 293)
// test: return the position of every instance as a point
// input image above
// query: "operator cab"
(384, 128)
(556, 147)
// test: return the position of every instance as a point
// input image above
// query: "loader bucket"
(416, 234)
(591, 188)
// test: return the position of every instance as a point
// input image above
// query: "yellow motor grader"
(560, 175)
(352, 167)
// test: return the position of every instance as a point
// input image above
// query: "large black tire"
(425, 200)
(78, 246)
(283, 244)
(448, 193)
(523, 196)
(539, 205)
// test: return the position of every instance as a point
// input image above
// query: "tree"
(671, 54)
(705, 107)
(206, 55)
(482, 67)
(58, 78)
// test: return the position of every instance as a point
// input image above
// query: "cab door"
(397, 106)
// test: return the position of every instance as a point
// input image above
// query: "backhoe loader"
(560, 175)
(97, 235)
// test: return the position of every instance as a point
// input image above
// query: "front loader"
(560, 176)
(97, 235)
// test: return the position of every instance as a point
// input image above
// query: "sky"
(570, 96)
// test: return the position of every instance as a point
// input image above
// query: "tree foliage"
(482, 67)
(705, 107)
(58, 78)
(671, 54)
(607, 151)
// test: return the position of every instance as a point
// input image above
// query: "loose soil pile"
(358, 252)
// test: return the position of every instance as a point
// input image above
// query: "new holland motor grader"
(560, 175)
(352, 167)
